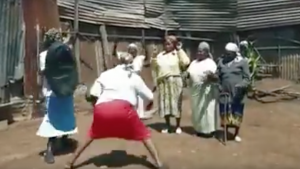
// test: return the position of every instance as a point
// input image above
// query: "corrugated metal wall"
(11, 51)
(257, 14)
(123, 13)
(157, 17)
(187, 15)
(204, 15)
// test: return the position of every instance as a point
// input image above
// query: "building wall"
(263, 14)
(91, 47)
(11, 48)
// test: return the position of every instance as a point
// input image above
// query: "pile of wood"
(273, 95)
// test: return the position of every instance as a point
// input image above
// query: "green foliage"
(253, 59)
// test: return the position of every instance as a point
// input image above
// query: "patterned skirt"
(231, 114)
(170, 96)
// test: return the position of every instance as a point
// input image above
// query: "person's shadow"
(117, 158)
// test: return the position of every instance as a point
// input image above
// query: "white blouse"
(120, 83)
(168, 64)
(199, 69)
(42, 65)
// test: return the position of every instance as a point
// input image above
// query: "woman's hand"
(91, 99)
(211, 77)
(149, 106)
(155, 51)
(178, 46)
(154, 89)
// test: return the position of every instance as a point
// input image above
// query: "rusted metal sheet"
(123, 13)
(11, 53)
(204, 15)
(258, 14)
(42, 14)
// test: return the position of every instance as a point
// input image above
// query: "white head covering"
(133, 46)
(231, 47)
(244, 43)
(126, 58)
(204, 46)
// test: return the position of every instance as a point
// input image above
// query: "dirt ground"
(271, 134)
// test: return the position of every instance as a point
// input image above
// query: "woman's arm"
(246, 74)
(212, 75)
(138, 63)
(142, 90)
(183, 58)
(94, 92)
(154, 67)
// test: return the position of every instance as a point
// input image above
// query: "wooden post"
(98, 55)
(189, 45)
(105, 47)
(144, 44)
(77, 43)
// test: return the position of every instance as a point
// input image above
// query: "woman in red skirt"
(115, 115)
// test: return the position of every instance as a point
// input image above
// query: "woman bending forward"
(117, 92)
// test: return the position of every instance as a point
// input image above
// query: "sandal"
(163, 166)
(69, 166)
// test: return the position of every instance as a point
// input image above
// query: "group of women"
(120, 96)
(215, 86)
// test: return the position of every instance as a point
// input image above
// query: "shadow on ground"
(117, 158)
(157, 126)
(63, 148)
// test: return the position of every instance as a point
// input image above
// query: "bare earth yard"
(271, 134)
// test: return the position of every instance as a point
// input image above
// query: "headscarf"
(244, 43)
(126, 58)
(231, 47)
(132, 46)
(204, 46)
(243, 48)
(51, 36)
(126, 61)
(132, 49)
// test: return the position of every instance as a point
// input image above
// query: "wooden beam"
(77, 42)
(105, 46)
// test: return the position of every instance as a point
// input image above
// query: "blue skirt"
(59, 119)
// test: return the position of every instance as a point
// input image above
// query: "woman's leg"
(238, 115)
(78, 152)
(178, 92)
(237, 131)
(168, 124)
(178, 129)
(237, 138)
(154, 153)
(49, 157)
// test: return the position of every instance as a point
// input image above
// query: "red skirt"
(117, 119)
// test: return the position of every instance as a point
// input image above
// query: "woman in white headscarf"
(203, 91)
(114, 96)
(137, 66)
(234, 76)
